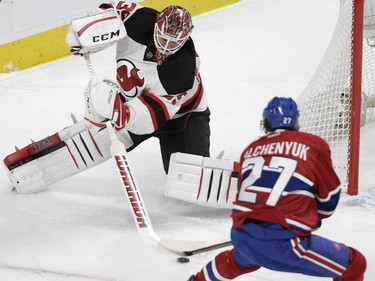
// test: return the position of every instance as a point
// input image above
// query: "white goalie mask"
(172, 28)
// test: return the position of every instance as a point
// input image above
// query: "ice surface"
(82, 229)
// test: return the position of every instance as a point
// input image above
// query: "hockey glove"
(95, 32)
(103, 103)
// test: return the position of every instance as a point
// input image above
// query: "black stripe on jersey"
(158, 113)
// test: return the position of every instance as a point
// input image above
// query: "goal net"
(340, 97)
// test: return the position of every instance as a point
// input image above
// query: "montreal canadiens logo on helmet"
(130, 78)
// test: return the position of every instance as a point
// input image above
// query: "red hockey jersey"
(286, 178)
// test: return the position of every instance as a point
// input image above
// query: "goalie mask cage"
(340, 96)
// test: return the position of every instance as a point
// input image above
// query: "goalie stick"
(139, 213)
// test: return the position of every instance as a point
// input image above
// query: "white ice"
(82, 228)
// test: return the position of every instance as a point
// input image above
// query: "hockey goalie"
(158, 93)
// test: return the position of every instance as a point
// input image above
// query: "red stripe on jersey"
(316, 258)
(151, 111)
(198, 96)
(87, 26)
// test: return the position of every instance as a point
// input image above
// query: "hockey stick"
(139, 212)
(133, 194)
(207, 249)
(141, 218)
(86, 56)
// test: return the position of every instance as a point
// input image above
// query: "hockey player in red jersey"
(158, 93)
(286, 187)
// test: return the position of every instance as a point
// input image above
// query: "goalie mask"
(172, 28)
(280, 113)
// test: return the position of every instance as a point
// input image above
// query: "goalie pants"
(312, 255)
(188, 134)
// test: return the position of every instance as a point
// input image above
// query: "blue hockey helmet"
(280, 113)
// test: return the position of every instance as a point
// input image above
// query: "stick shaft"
(131, 188)
(133, 194)
(89, 65)
(208, 248)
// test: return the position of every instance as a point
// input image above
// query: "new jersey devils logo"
(129, 77)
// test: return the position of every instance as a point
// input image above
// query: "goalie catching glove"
(103, 103)
(95, 32)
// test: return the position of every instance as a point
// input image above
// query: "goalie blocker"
(202, 180)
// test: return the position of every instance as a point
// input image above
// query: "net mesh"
(325, 104)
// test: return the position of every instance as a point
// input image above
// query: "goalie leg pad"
(70, 151)
(202, 180)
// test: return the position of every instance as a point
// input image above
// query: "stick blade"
(179, 247)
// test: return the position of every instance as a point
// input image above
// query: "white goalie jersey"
(155, 94)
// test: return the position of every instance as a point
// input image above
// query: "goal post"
(340, 97)
(356, 89)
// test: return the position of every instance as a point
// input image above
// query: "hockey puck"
(183, 260)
